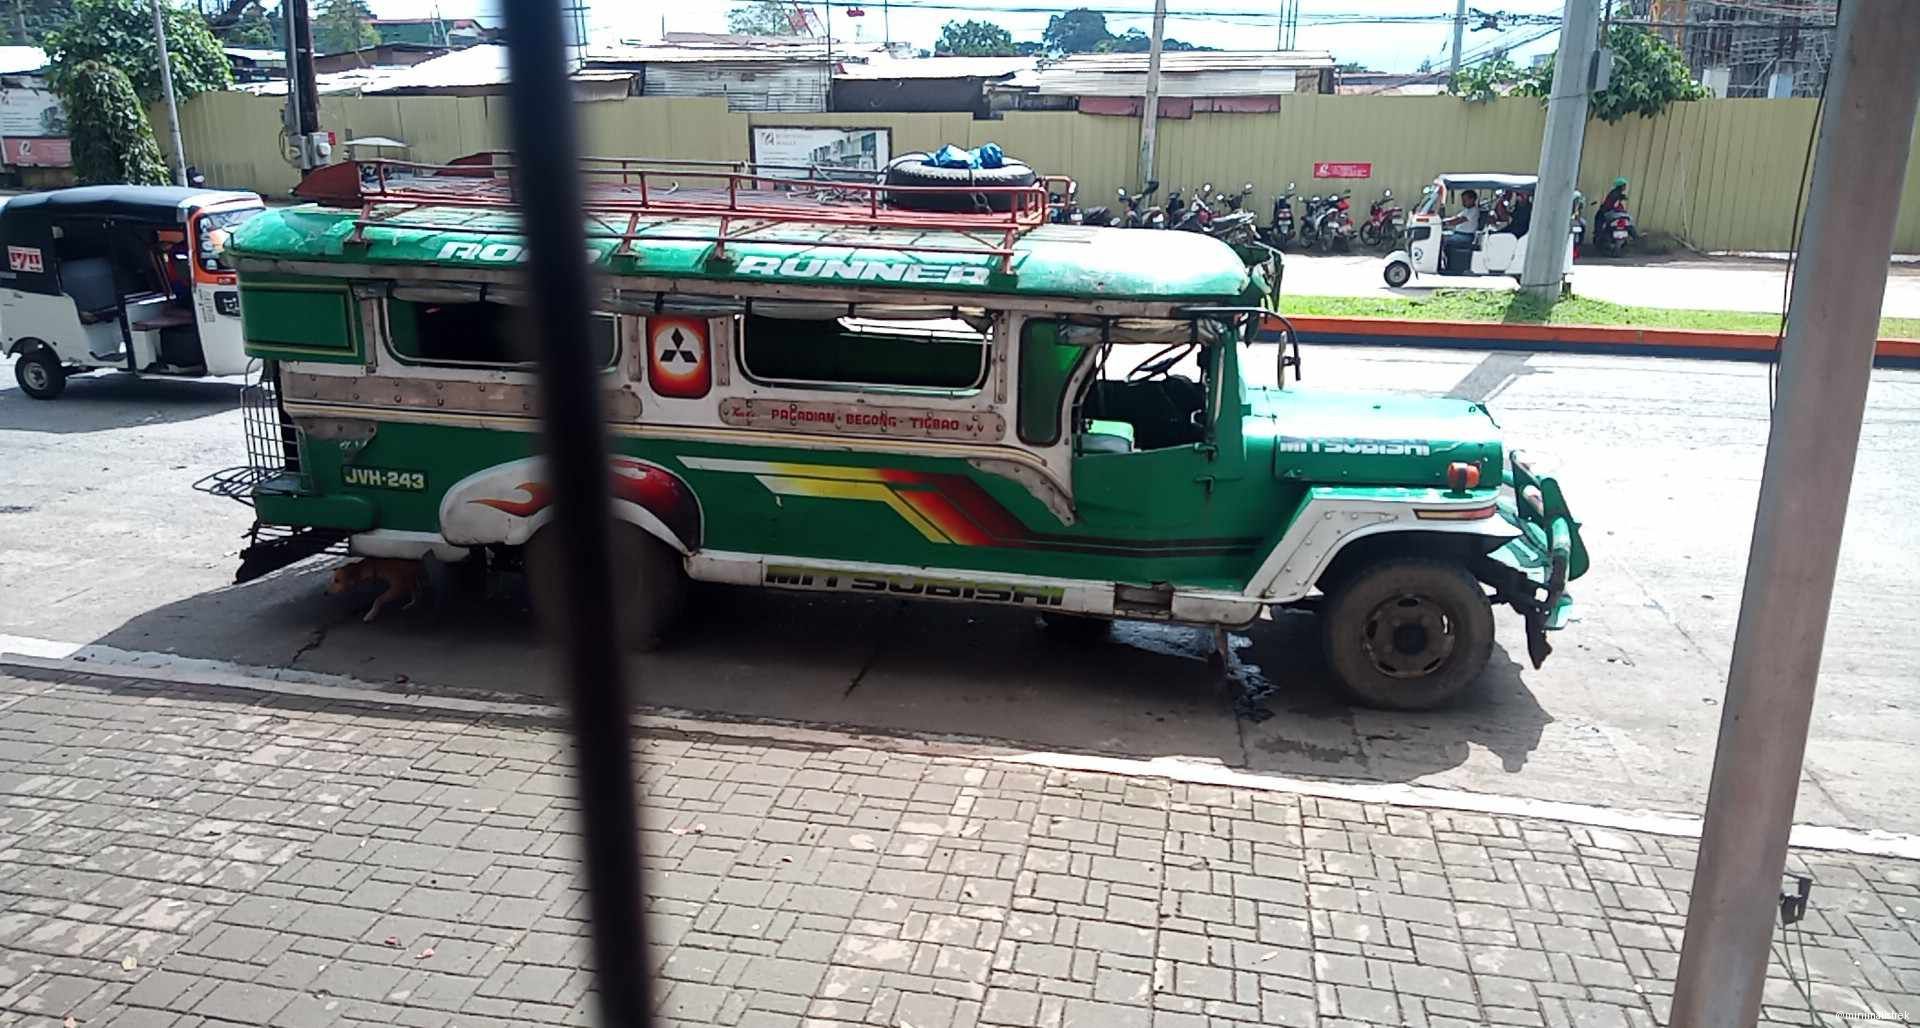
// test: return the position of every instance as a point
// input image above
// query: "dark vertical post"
(547, 179)
(1866, 132)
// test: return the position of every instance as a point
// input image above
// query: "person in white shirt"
(1461, 230)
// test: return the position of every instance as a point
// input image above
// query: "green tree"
(252, 28)
(975, 39)
(344, 25)
(760, 18)
(112, 139)
(27, 22)
(1079, 31)
(1135, 41)
(120, 33)
(1483, 80)
(1648, 74)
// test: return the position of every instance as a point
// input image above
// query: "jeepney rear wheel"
(1408, 633)
(649, 585)
(40, 374)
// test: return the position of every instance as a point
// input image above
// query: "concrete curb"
(45, 655)
(1602, 339)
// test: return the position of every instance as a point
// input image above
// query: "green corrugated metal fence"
(1718, 174)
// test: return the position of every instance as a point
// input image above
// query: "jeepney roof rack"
(628, 198)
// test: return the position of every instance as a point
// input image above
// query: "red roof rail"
(628, 198)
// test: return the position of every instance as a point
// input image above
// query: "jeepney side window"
(479, 334)
(945, 354)
(1046, 365)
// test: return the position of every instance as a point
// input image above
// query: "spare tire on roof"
(913, 170)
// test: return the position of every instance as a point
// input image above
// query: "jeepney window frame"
(993, 339)
(478, 370)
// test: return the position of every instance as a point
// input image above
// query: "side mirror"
(1121, 193)
(1389, 194)
(1248, 188)
(1206, 187)
(1152, 184)
(1290, 187)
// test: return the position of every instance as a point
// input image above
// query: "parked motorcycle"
(1233, 202)
(1198, 215)
(1062, 211)
(1310, 216)
(1138, 216)
(1334, 228)
(1280, 224)
(1386, 222)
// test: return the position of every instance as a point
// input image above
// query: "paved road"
(102, 540)
(1712, 283)
(190, 858)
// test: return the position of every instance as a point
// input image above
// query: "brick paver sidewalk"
(177, 856)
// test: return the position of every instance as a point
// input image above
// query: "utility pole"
(1825, 365)
(166, 92)
(1459, 30)
(303, 92)
(1150, 107)
(1546, 263)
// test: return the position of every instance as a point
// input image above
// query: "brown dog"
(402, 578)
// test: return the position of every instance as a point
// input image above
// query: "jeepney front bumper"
(1531, 571)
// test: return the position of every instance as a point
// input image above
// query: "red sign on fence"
(1342, 169)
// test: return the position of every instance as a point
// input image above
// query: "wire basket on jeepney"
(633, 199)
(272, 450)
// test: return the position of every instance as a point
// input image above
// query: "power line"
(1264, 17)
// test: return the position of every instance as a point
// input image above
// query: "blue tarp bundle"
(950, 156)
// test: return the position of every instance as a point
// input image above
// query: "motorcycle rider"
(1616, 199)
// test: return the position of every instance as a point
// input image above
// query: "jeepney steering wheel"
(1161, 363)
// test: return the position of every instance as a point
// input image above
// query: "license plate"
(1619, 234)
(384, 478)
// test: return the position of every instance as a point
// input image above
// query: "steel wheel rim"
(1408, 636)
(35, 375)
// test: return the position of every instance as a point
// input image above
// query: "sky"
(1226, 24)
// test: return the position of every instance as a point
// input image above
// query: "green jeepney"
(856, 388)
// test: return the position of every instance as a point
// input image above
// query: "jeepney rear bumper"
(292, 523)
(1530, 572)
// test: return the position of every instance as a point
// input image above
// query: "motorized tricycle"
(1435, 249)
(131, 278)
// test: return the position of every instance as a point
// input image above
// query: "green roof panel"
(1052, 260)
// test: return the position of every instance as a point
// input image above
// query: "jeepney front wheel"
(1408, 633)
(649, 585)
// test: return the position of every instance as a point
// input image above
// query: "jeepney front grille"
(271, 439)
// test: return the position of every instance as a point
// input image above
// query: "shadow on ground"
(888, 666)
(110, 399)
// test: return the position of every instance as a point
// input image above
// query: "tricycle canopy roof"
(1456, 180)
(154, 205)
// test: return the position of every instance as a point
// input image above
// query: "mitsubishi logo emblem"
(677, 348)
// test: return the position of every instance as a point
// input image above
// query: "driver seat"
(1107, 437)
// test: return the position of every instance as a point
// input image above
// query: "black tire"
(40, 374)
(649, 585)
(1370, 234)
(1407, 633)
(1397, 274)
(911, 170)
(1075, 629)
